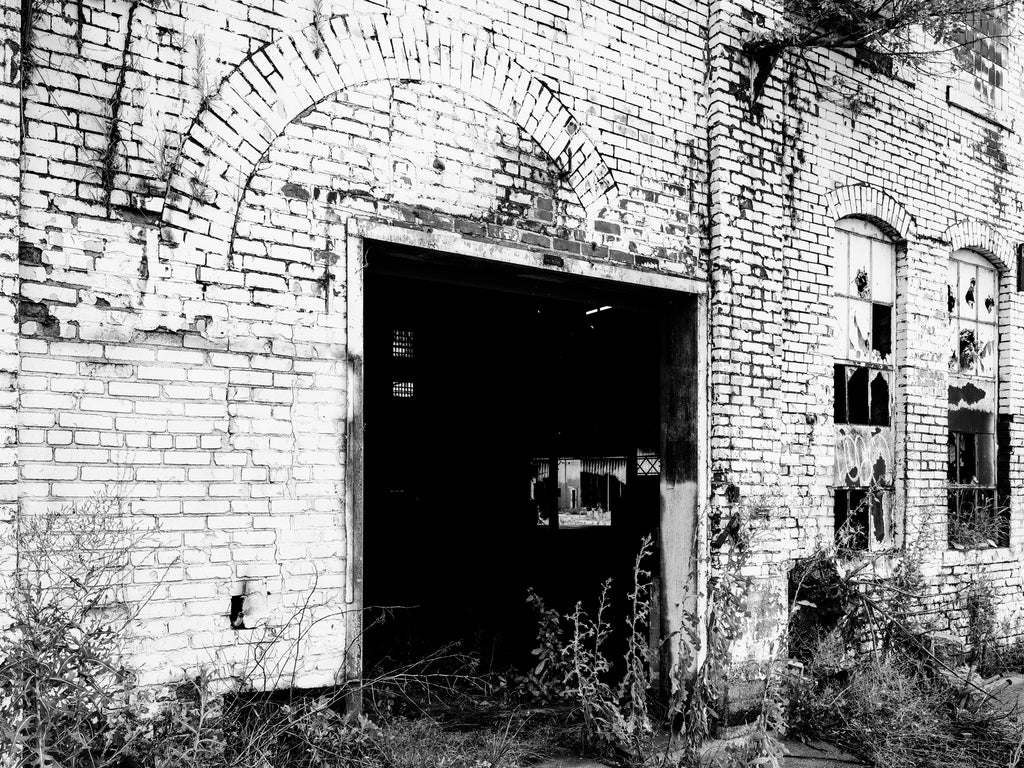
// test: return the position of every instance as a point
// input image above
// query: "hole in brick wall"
(237, 612)
(821, 599)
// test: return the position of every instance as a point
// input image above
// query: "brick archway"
(981, 237)
(866, 202)
(283, 79)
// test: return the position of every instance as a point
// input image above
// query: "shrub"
(64, 683)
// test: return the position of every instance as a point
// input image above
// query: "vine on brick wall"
(31, 11)
(109, 158)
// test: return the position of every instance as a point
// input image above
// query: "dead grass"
(893, 713)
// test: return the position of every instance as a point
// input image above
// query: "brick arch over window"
(279, 82)
(880, 208)
(983, 238)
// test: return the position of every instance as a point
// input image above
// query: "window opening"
(402, 356)
(403, 389)
(977, 516)
(983, 57)
(402, 343)
(863, 301)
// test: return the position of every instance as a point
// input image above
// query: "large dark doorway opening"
(513, 441)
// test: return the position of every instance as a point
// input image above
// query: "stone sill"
(979, 556)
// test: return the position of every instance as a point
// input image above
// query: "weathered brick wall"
(937, 178)
(188, 180)
(189, 346)
(10, 131)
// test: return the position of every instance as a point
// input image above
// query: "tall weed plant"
(64, 681)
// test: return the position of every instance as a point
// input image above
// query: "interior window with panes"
(976, 518)
(864, 294)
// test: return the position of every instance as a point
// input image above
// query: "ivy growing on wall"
(889, 33)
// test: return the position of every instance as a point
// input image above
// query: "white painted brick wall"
(191, 346)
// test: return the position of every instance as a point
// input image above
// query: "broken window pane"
(851, 511)
(858, 395)
(974, 286)
(881, 331)
(988, 294)
(985, 335)
(839, 379)
(862, 395)
(859, 339)
(859, 278)
(975, 520)
(862, 516)
(864, 264)
(985, 448)
(879, 396)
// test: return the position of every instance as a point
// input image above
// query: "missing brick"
(46, 325)
(237, 612)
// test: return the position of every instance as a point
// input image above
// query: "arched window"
(976, 514)
(864, 294)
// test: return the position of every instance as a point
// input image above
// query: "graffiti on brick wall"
(864, 456)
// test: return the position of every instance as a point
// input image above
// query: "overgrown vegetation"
(876, 678)
(68, 695)
(63, 678)
(873, 678)
(573, 665)
(888, 33)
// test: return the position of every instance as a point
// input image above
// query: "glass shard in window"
(859, 336)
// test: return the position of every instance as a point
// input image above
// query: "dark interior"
(483, 390)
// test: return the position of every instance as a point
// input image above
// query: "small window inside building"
(401, 343)
(403, 386)
(977, 510)
(983, 57)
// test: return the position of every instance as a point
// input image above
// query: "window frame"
(976, 506)
(983, 55)
(861, 294)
